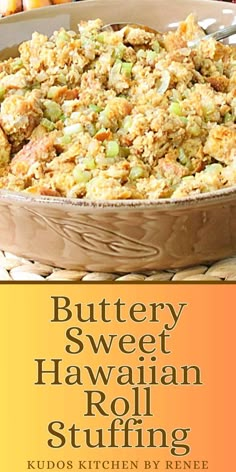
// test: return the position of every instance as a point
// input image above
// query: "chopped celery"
(127, 122)
(47, 124)
(53, 111)
(182, 157)
(136, 172)
(126, 68)
(119, 51)
(73, 129)
(81, 176)
(95, 108)
(2, 93)
(62, 37)
(151, 56)
(184, 119)
(112, 149)
(89, 163)
(100, 38)
(156, 46)
(175, 108)
(66, 139)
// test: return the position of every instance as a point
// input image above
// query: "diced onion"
(72, 129)
(165, 82)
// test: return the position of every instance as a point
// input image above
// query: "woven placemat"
(14, 268)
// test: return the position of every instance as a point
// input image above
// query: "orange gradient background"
(204, 336)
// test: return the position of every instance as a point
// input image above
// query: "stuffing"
(128, 114)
